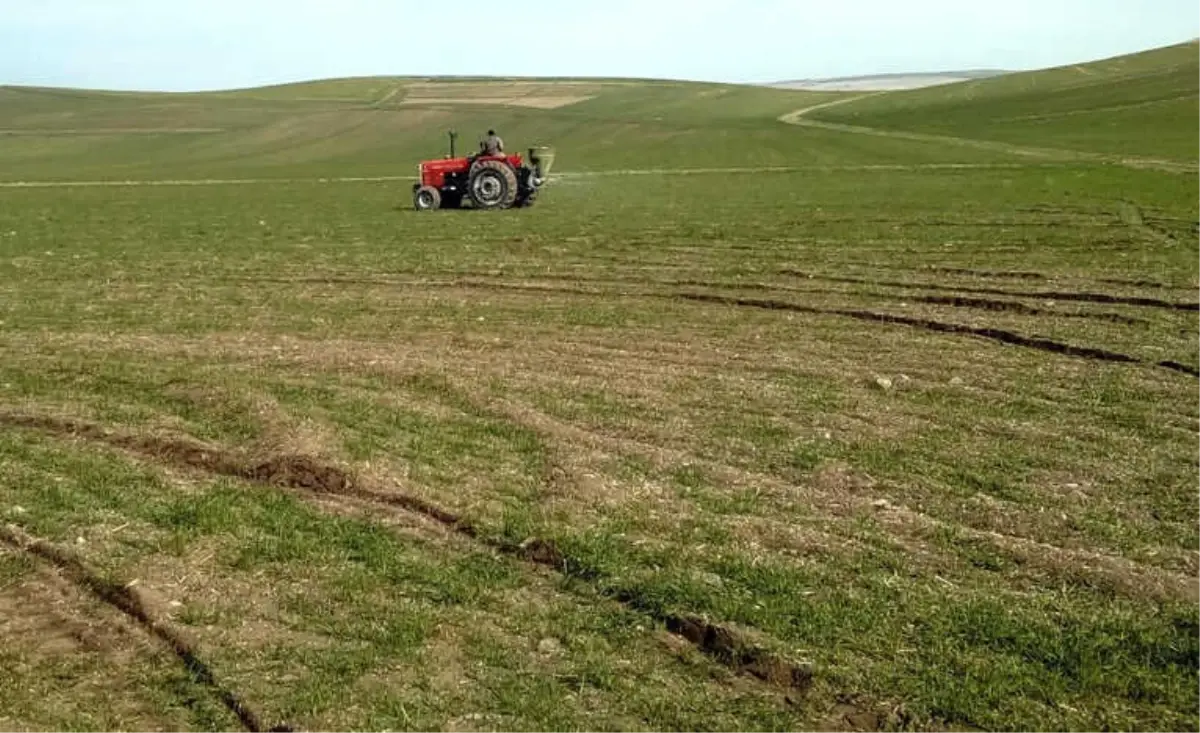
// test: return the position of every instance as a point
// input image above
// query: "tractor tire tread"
(434, 195)
(503, 169)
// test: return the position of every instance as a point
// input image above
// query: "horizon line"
(584, 78)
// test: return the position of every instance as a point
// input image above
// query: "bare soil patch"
(43, 616)
(532, 94)
(533, 102)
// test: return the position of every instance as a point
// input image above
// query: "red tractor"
(487, 181)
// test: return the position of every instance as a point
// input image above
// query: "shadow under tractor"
(486, 181)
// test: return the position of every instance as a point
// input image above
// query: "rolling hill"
(382, 127)
(1141, 104)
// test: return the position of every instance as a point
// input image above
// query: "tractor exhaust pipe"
(453, 135)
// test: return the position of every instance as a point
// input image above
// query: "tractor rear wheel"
(427, 198)
(493, 185)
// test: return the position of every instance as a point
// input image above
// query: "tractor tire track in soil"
(836, 498)
(1027, 275)
(1172, 364)
(1015, 307)
(478, 281)
(725, 645)
(126, 600)
(1145, 284)
(1030, 275)
(1005, 274)
(996, 334)
(1042, 294)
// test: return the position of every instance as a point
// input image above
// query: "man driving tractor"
(491, 145)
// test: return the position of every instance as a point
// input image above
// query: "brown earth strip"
(126, 600)
(1011, 274)
(721, 643)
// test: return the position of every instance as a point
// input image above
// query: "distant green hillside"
(1144, 104)
(1140, 104)
(381, 126)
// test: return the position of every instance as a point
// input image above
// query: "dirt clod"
(300, 472)
(542, 552)
(729, 647)
(549, 646)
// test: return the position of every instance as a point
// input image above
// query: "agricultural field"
(780, 410)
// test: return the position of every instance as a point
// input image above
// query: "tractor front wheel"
(493, 185)
(427, 198)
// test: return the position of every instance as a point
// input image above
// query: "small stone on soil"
(549, 645)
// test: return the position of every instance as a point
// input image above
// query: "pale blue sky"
(194, 44)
